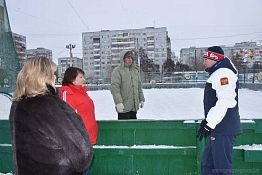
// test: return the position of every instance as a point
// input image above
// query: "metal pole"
(244, 75)
(253, 79)
(196, 66)
(138, 59)
(70, 47)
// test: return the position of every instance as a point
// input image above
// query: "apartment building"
(65, 62)
(40, 52)
(101, 49)
(20, 46)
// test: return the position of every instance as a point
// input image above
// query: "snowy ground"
(175, 104)
(165, 104)
(5, 105)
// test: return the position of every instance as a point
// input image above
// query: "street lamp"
(70, 47)
(196, 66)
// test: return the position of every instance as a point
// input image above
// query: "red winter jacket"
(78, 99)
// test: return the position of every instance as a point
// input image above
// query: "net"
(9, 62)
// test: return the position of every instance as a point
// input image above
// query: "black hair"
(71, 74)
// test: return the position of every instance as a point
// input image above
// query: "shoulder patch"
(223, 81)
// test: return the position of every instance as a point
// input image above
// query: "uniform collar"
(225, 63)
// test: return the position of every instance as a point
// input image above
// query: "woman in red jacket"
(75, 94)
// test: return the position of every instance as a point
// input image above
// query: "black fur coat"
(48, 137)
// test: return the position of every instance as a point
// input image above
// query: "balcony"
(123, 48)
(122, 42)
(96, 54)
(150, 46)
(96, 44)
(115, 59)
(96, 49)
(150, 41)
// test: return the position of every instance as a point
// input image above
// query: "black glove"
(204, 130)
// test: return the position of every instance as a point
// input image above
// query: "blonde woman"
(48, 137)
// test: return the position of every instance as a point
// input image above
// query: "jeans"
(85, 172)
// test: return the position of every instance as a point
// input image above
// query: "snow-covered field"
(165, 104)
(175, 104)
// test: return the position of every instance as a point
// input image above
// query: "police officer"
(222, 120)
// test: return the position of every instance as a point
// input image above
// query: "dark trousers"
(127, 115)
(217, 157)
(85, 172)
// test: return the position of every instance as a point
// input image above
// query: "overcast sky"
(55, 23)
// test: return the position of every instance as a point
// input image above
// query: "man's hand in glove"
(204, 130)
(120, 107)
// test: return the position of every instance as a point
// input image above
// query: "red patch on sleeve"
(223, 81)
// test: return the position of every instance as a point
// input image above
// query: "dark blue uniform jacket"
(230, 124)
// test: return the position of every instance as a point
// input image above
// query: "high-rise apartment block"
(101, 50)
(20, 46)
(65, 62)
(40, 52)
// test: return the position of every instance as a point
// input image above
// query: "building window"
(96, 40)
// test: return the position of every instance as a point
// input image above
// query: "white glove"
(120, 107)
(141, 104)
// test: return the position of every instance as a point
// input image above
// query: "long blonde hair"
(32, 79)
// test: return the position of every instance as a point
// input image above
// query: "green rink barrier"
(5, 133)
(153, 147)
(253, 155)
(130, 161)
(252, 133)
(6, 158)
(243, 167)
(146, 132)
